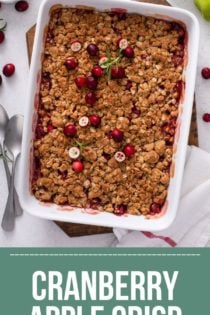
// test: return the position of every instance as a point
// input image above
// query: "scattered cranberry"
(71, 63)
(21, 6)
(117, 72)
(92, 50)
(90, 98)
(155, 208)
(70, 130)
(97, 71)
(206, 117)
(206, 73)
(128, 85)
(81, 82)
(8, 70)
(50, 128)
(0, 80)
(120, 209)
(122, 43)
(129, 150)
(92, 82)
(95, 120)
(2, 37)
(128, 52)
(117, 135)
(76, 46)
(77, 166)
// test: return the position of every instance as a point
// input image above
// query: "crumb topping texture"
(118, 106)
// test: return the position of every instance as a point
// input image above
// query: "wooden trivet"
(81, 229)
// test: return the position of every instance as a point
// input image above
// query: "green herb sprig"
(111, 61)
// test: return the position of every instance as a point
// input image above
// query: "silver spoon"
(13, 140)
(4, 119)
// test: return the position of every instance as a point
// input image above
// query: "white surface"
(31, 231)
(31, 204)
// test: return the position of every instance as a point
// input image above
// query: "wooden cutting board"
(81, 229)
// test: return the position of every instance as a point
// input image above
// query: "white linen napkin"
(191, 227)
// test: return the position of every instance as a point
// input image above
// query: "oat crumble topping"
(104, 135)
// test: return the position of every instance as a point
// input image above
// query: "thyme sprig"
(111, 62)
(80, 145)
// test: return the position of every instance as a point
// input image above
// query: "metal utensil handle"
(8, 220)
(17, 207)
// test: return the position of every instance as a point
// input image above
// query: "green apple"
(204, 7)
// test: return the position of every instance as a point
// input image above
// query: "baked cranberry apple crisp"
(109, 100)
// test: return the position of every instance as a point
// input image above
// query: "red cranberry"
(0, 80)
(70, 130)
(155, 208)
(2, 37)
(128, 85)
(129, 150)
(71, 63)
(117, 135)
(205, 73)
(97, 71)
(179, 87)
(120, 209)
(90, 98)
(8, 70)
(128, 52)
(92, 82)
(50, 128)
(40, 133)
(206, 117)
(21, 6)
(92, 50)
(95, 120)
(77, 166)
(81, 82)
(117, 72)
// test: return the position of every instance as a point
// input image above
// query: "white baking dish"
(88, 216)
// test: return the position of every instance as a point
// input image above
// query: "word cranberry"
(206, 117)
(92, 49)
(128, 52)
(129, 150)
(97, 71)
(117, 72)
(2, 37)
(83, 121)
(76, 46)
(128, 85)
(120, 209)
(70, 130)
(90, 98)
(74, 153)
(95, 120)
(71, 63)
(155, 208)
(119, 156)
(206, 73)
(117, 135)
(8, 70)
(21, 6)
(81, 82)
(77, 166)
(92, 82)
